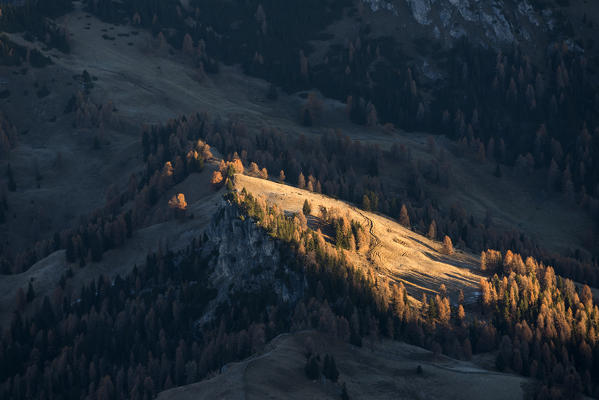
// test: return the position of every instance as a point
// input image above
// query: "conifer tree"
(330, 368)
(447, 245)
(12, 186)
(312, 368)
(178, 204)
(263, 173)
(366, 203)
(307, 208)
(217, 179)
(30, 293)
(404, 218)
(432, 230)
(187, 46)
(272, 93)
(301, 181)
(344, 394)
(497, 172)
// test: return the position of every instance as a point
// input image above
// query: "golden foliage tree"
(301, 181)
(404, 218)
(237, 165)
(188, 45)
(447, 245)
(217, 179)
(178, 204)
(263, 173)
(432, 230)
(461, 313)
(254, 170)
(178, 201)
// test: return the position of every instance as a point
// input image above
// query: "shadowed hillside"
(299, 199)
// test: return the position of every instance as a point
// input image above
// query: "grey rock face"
(246, 260)
(492, 22)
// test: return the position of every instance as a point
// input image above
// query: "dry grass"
(75, 177)
(172, 234)
(401, 254)
(383, 370)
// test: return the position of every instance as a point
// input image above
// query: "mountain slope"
(383, 370)
(192, 284)
(396, 253)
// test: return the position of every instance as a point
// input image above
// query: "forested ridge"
(172, 152)
(350, 294)
(510, 109)
(531, 93)
(162, 325)
(66, 350)
(388, 312)
(542, 325)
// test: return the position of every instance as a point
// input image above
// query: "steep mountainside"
(395, 252)
(383, 370)
(491, 22)
(299, 199)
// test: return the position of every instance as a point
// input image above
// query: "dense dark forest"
(511, 109)
(33, 19)
(64, 349)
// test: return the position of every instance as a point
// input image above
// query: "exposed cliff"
(495, 22)
(247, 261)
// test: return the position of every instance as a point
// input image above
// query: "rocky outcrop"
(246, 260)
(494, 22)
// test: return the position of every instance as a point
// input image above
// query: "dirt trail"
(396, 253)
(374, 242)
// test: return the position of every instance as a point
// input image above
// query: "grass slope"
(383, 370)
(399, 254)
(148, 85)
(172, 234)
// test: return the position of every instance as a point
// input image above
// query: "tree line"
(542, 325)
(171, 152)
(337, 166)
(65, 348)
(332, 164)
(548, 326)
(543, 106)
(539, 116)
(33, 18)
